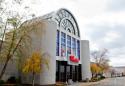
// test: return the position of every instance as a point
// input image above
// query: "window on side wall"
(78, 49)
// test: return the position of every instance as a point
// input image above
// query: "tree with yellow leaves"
(101, 58)
(33, 64)
(95, 69)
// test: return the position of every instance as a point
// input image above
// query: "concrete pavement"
(118, 81)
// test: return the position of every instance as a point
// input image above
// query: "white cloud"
(111, 36)
(109, 18)
(99, 21)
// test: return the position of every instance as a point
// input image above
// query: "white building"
(69, 55)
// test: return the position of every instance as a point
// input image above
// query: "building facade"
(72, 53)
(68, 63)
(69, 55)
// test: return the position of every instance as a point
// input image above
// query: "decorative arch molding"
(67, 21)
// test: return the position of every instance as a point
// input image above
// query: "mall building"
(69, 55)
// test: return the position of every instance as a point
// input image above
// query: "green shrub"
(94, 79)
(2, 82)
(12, 80)
(102, 77)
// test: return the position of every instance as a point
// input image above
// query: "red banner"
(73, 59)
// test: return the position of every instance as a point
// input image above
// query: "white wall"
(11, 69)
(85, 59)
(49, 47)
(43, 39)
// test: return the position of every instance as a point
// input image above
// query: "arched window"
(73, 46)
(63, 44)
(66, 20)
(69, 30)
(57, 43)
(68, 45)
(69, 34)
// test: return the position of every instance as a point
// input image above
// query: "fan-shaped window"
(66, 20)
(67, 25)
(69, 30)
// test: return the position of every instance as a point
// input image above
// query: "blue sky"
(102, 22)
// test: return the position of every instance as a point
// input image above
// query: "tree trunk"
(92, 75)
(8, 57)
(33, 79)
(3, 69)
